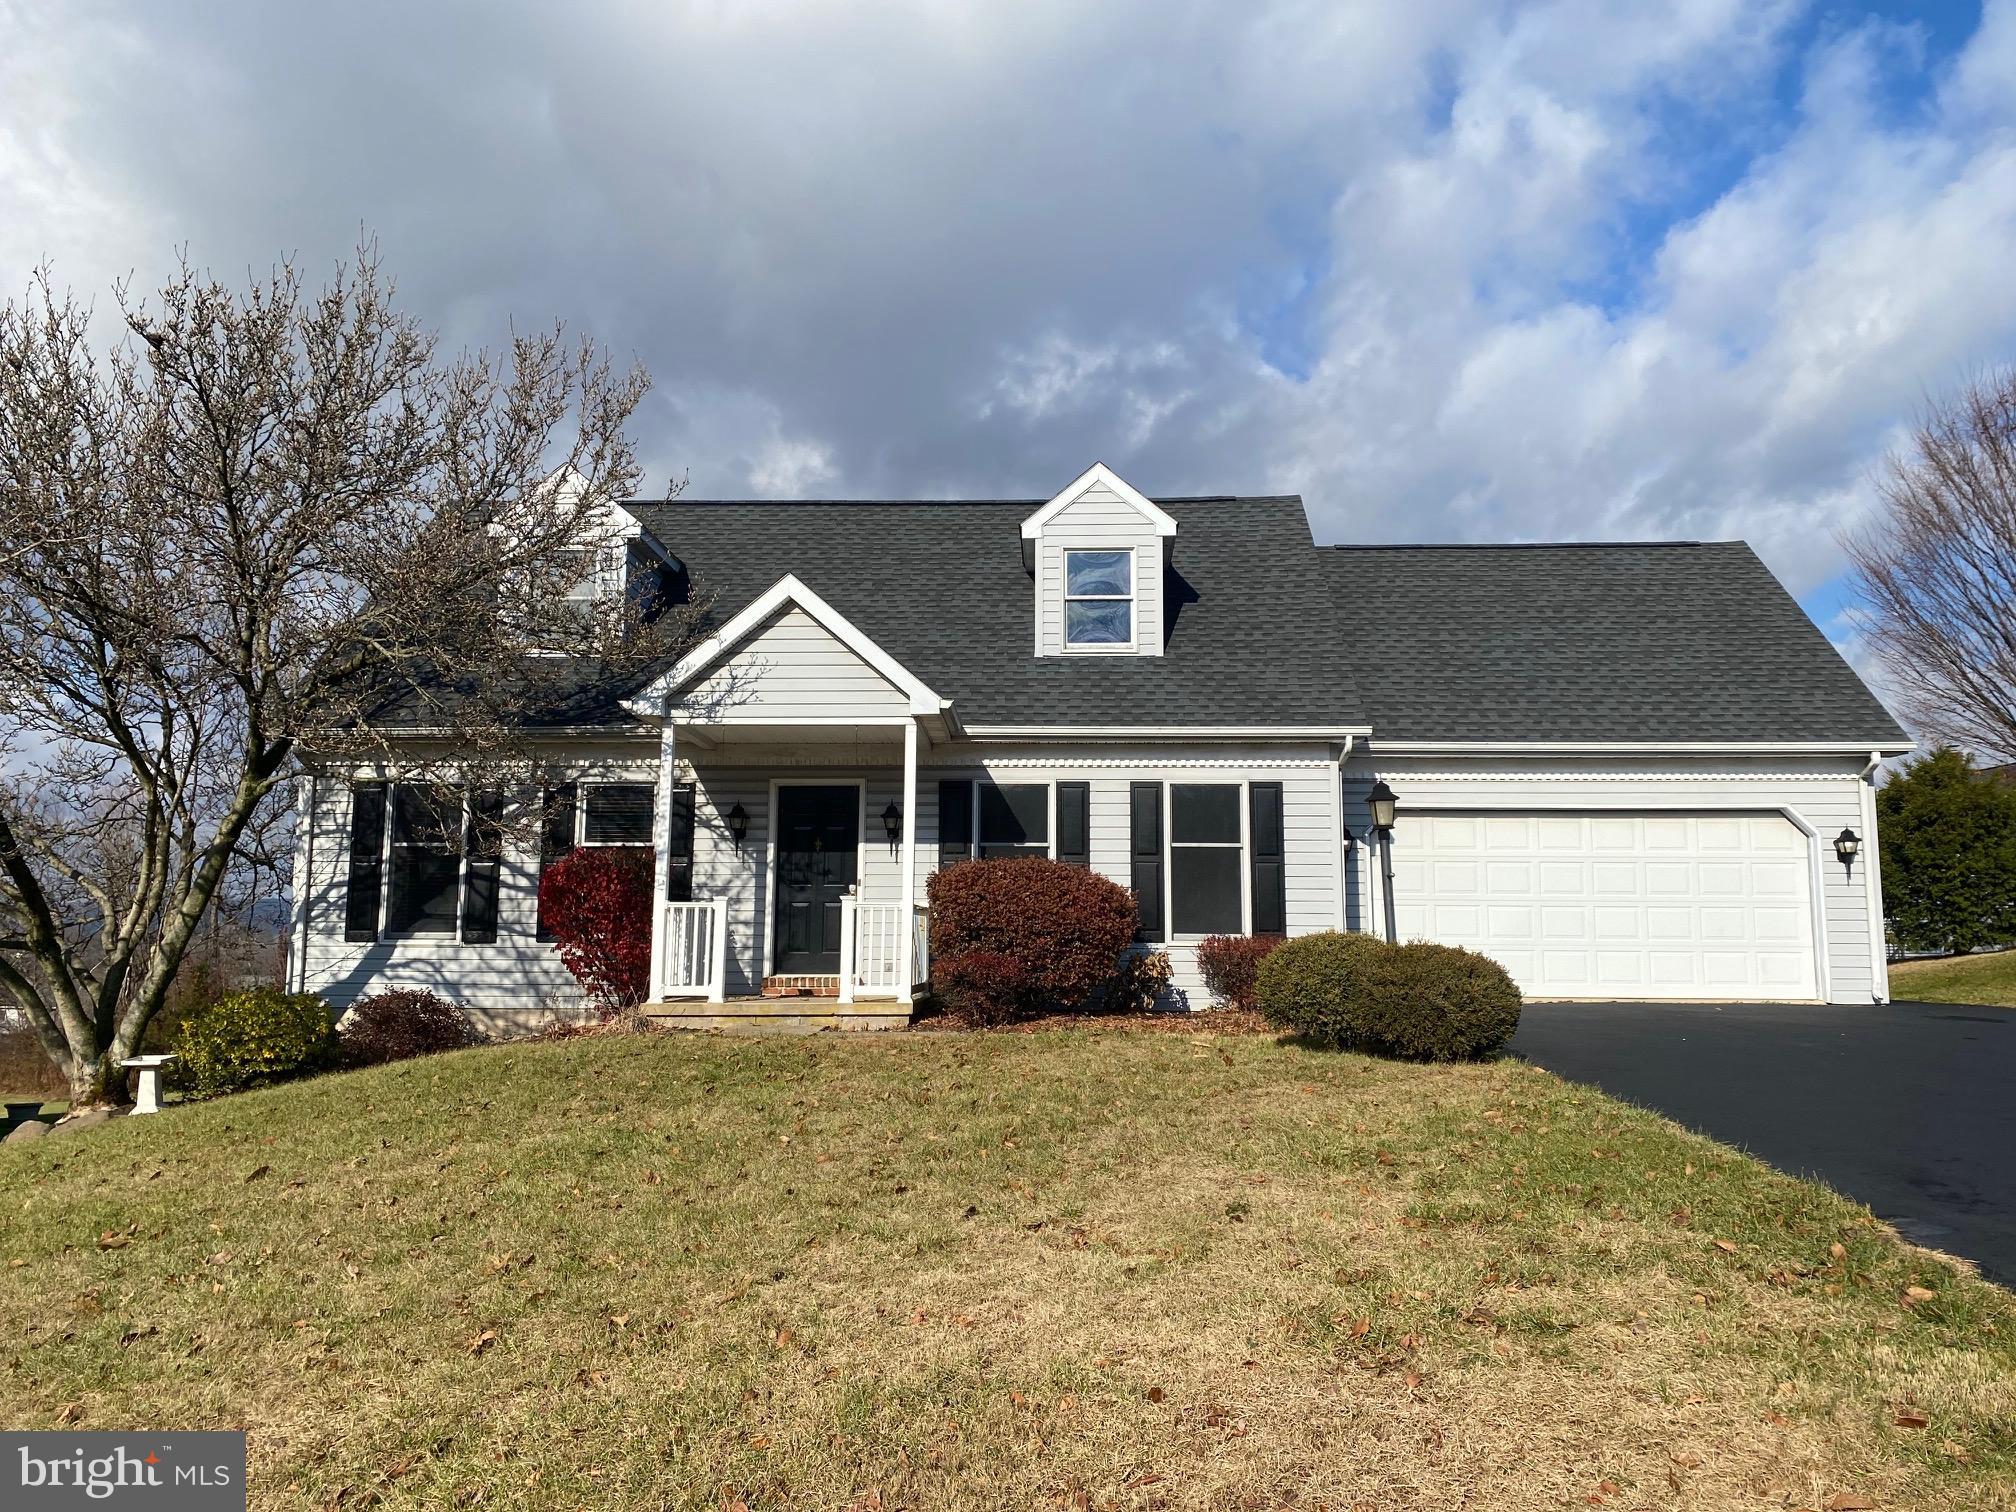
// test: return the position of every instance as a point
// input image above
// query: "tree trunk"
(96, 1080)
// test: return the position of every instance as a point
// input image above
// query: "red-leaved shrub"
(596, 903)
(402, 1023)
(1230, 966)
(1061, 927)
(983, 987)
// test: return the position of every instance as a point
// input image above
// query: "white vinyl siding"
(792, 666)
(1099, 519)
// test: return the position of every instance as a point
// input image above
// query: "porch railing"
(695, 958)
(871, 948)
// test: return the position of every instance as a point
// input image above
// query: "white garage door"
(1615, 905)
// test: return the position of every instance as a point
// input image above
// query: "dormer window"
(578, 569)
(1099, 600)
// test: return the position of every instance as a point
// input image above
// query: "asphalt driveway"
(1908, 1107)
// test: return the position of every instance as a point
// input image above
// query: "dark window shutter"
(367, 861)
(556, 833)
(486, 852)
(1144, 828)
(955, 822)
(1074, 823)
(1270, 869)
(679, 846)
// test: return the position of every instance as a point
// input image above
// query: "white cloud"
(1541, 270)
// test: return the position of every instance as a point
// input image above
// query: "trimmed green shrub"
(1308, 985)
(1230, 966)
(250, 1038)
(1063, 927)
(403, 1023)
(1433, 1003)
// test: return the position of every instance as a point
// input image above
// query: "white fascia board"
(1099, 472)
(1167, 732)
(650, 703)
(1635, 747)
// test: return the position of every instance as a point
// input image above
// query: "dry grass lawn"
(1986, 980)
(943, 1271)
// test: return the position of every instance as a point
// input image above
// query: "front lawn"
(932, 1271)
(1988, 980)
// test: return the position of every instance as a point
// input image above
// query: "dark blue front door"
(818, 829)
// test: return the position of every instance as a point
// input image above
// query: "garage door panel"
(1617, 904)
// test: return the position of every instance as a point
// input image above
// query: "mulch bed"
(1205, 1021)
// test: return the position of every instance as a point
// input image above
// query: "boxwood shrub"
(1307, 985)
(1052, 934)
(1435, 1003)
(247, 1039)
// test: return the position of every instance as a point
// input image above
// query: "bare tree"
(265, 517)
(1938, 570)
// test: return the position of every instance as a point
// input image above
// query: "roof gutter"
(1345, 733)
(1640, 747)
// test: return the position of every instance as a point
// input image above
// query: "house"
(1623, 771)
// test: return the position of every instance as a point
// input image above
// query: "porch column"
(906, 950)
(661, 853)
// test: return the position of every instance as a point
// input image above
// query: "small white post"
(147, 1096)
(661, 852)
(717, 968)
(906, 929)
(849, 923)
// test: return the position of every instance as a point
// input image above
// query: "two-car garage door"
(1616, 904)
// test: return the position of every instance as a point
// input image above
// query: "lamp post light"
(1848, 845)
(1384, 807)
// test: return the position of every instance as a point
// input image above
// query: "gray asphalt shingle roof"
(940, 586)
(1672, 641)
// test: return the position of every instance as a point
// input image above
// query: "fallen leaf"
(1918, 1294)
(1727, 1246)
(70, 1412)
(1155, 1393)
(257, 1173)
(1847, 1501)
(482, 1341)
(1911, 1417)
(111, 1241)
(784, 1337)
(1360, 1327)
(1838, 1250)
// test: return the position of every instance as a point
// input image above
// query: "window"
(1098, 598)
(1013, 821)
(1206, 894)
(426, 860)
(577, 570)
(617, 813)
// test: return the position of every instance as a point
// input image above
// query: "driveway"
(1908, 1107)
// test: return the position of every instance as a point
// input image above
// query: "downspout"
(1872, 884)
(1337, 837)
(304, 880)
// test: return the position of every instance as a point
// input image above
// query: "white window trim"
(1169, 848)
(973, 814)
(1132, 598)
(581, 791)
(385, 854)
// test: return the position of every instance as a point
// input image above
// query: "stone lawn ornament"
(147, 1097)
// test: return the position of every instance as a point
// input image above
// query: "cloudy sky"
(1452, 271)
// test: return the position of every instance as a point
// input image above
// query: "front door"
(818, 830)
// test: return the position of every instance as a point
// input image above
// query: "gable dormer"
(1096, 553)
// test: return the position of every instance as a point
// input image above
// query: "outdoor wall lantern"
(1384, 807)
(1848, 845)
(738, 824)
(892, 822)
(1350, 843)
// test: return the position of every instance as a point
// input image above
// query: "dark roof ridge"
(1514, 545)
(1031, 504)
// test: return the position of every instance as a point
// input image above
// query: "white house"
(1623, 771)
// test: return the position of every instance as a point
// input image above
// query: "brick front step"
(801, 986)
